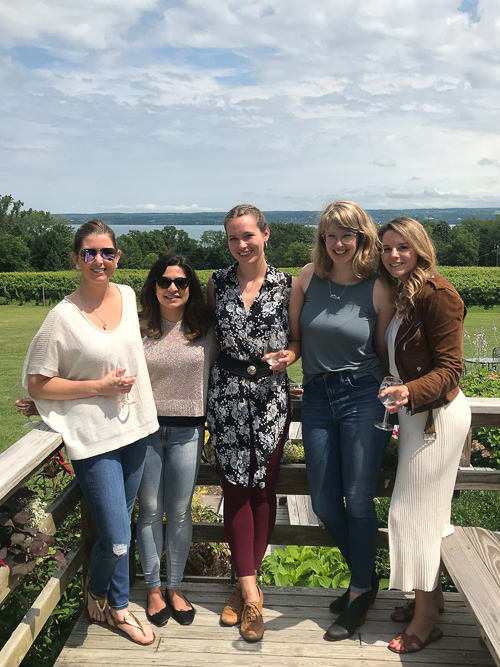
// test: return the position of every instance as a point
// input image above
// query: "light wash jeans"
(344, 452)
(109, 483)
(172, 464)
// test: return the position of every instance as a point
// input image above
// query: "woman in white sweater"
(86, 372)
(180, 349)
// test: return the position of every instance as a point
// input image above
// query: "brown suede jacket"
(428, 347)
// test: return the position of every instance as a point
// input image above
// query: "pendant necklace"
(104, 324)
(337, 297)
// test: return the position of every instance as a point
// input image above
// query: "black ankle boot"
(338, 605)
(352, 617)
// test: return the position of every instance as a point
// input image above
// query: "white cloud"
(195, 100)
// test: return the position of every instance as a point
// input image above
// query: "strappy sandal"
(131, 620)
(406, 612)
(412, 643)
(100, 603)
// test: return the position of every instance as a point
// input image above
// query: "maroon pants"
(250, 514)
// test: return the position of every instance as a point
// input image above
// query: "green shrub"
(477, 508)
(478, 286)
(306, 566)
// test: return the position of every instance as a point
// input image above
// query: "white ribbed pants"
(419, 515)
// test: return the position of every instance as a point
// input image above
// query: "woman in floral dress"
(248, 416)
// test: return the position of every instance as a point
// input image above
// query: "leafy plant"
(293, 453)
(306, 566)
(22, 547)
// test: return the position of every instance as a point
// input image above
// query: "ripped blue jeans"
(109, 483)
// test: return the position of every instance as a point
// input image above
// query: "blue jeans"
(172, 464)
(109, 483)
(344, 452)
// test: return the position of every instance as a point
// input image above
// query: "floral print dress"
(246, 413)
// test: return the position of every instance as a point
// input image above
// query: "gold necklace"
(104, 324)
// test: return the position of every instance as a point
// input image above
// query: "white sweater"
(69, 346)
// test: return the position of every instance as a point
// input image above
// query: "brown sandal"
(113, 622)
(412, 643)
(405, 612)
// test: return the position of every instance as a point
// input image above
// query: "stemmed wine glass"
(388, 401)
(130, 370)
(272, 360)
(22, 400)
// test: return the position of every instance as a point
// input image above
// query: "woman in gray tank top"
(345, 314)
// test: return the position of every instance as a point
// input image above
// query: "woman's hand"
(115, 383)
(26, 406)
(399, 395)
(281, 359)
(296, 392)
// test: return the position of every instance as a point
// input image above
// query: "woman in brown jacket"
(424, 341)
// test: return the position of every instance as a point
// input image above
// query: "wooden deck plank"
(478, 584)
(295, 618)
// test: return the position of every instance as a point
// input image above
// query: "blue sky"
(197, 105)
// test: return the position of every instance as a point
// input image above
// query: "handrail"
(24, 457)
(28, 454)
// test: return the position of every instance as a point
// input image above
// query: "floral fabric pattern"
(246, 413)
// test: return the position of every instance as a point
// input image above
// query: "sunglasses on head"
(88, 254)
(164, 283)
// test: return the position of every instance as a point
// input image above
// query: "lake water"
(194, 231)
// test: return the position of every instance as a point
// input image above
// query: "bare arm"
(385, 312)
(292, 353)
(60, 389)
(305, 276)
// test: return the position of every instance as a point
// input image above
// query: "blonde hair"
(347, 215)
(405, 294)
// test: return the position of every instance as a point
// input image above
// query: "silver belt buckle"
(251, 370)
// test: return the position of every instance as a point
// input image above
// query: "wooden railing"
(27, 455)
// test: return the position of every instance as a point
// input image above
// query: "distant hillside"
(451, 215)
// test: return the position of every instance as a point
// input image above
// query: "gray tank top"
(337, 335)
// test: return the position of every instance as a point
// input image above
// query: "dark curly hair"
(197, 317)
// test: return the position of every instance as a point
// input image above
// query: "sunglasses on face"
(88, 254)
(180, 283)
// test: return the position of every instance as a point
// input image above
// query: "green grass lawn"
(18, 325)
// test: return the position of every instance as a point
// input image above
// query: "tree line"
(37, 241)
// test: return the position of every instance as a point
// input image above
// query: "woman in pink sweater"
(180, 349)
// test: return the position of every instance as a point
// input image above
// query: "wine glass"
(22, 400)
(388, 381)
(275, 353)
(131, 370)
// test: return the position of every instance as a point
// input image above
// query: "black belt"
(246, 369)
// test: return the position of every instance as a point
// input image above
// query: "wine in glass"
(274, 353)
(388, 401)
(22, 401)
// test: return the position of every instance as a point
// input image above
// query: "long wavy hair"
(404, 294)
(196, 318)
(348, 216)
